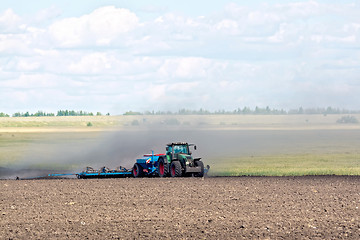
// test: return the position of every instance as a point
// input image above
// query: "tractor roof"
(177, 143)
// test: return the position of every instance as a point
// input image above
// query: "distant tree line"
(248, 111)
(59, 113)
(74, 113)
(239, 111)
(37, 114)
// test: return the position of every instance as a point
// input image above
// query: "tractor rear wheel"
(163, 168)
(137, 171)
(201, 165)
(175, 169)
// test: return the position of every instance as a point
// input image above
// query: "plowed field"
(323, 207)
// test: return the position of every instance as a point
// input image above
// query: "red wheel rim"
(135, 171)
(161, 168)
(173, 170)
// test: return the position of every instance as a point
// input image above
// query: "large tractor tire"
(175, 169)
(137, 171)
(163, 168)
(201, 165)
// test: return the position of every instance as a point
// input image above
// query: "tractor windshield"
(181, 149)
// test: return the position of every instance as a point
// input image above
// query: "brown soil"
(211, 208)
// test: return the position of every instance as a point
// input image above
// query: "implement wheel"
(163, 168)
(175, 169)
(137, 171)
(201, 165)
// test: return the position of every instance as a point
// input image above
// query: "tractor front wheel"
(175, 169)
(201, 165)
(163, 168)
(137, 171)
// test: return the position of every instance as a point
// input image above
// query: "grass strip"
(287, 165)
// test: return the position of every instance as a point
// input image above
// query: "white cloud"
(31, 81)
(27, 65)
(263, 17)
(47, 14)
(227, 25)
(111, 63)
(100, 28)
(16, 44)
(183, 87)
(9, 21)
(189, 67)
(300, 9)
(158, 93)
(94, 63)
(242, 55)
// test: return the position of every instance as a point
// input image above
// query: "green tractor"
(178, 162)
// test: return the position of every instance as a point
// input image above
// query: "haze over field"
(115, 56)
(230, 151)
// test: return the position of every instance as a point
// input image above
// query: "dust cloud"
(121, 148)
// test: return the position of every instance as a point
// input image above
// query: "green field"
(288, 165)
(232, 145)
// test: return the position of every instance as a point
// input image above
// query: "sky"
(117, 56)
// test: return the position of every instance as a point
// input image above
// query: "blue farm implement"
(89, 172)
(104, 172)
(147, 165)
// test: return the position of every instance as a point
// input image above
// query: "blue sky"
(115, 56)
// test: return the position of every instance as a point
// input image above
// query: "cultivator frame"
(104, 172)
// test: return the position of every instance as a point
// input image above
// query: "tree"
(301, 110)
(132, 113)
(268, 110)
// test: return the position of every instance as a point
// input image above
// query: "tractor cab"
(174, 149)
